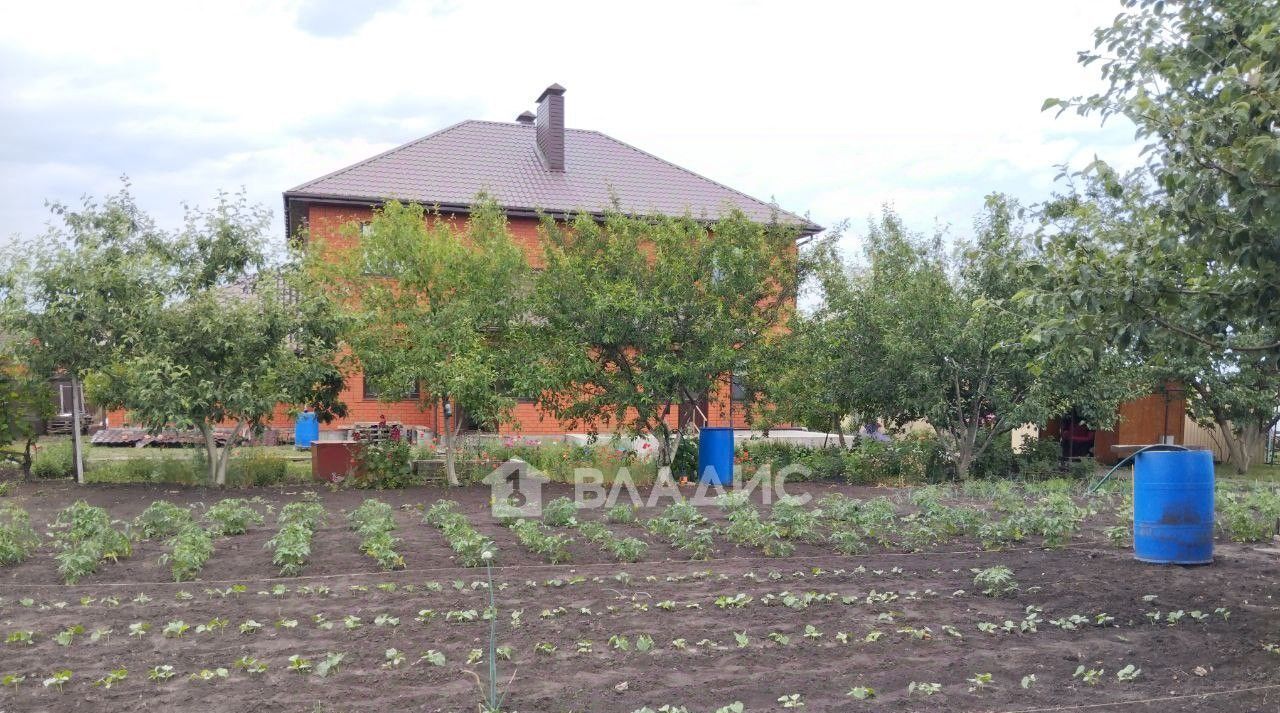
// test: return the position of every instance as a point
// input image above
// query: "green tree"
(25, 400)
(77, 293)
(438, 304)
(915, 333)
(1240, 396)
(834, 360)
(227, 340)
(1177, 262)
(636, 315)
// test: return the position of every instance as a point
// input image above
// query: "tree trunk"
(77, 447)
(450, 458)
(27, 455)
(666, 453)
(966, 443)
(1241, 442)
(236, 434)
(210, 451)
(840, 435)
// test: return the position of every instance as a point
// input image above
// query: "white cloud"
(831, 108)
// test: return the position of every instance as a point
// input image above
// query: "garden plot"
(1019, 628)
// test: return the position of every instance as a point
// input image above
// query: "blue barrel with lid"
(1173, 507)
(306, 429)
(715, 456)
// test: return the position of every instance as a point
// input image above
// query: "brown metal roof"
(449, 167)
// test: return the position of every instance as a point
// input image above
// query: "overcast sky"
(831, 108)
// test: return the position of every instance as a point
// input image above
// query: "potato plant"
(162, 519)
(561, 512)
(192, 547)
(373, 521)
(292, 543)
(623, 549)
(469, 545)
(85, 538)
(232, 516)
(17, 538)
(746, 528)
(995, 581)
(552, 546)
(684, 528)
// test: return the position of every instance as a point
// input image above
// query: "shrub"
(1250, 517)
(386, 464)
(54, 460)
(685, 461)
(911, 458)
(17, 538)
(557, 460)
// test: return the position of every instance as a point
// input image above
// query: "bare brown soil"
(1180, 663)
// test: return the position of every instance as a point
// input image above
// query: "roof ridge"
(695, 174)
(388, 152)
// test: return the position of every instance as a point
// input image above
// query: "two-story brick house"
(532, 165)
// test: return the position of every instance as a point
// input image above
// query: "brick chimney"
(550, 127)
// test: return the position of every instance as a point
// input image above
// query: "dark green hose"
(1126, 459)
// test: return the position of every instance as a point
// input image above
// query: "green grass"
(1258, 473)
(177, 465)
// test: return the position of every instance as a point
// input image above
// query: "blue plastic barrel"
(306, 429)
(1173, 507)
(715, 456)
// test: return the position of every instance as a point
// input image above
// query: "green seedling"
(1128, 673)
(923, 688)
(433, 657)
(58, 678)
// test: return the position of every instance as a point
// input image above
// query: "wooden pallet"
(61, 425)
(376, 432)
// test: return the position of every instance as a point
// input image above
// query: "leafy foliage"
(374, 520)
(292, 543)
(995, 581)
(161, 519)
(232, 516)
(192, 547)
(444, 311)
(386, 464)
(85, 537)
(638, 314)
(469, 546)
(17, 538)
(1176, 262)
(553, 546)
(216, 334)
